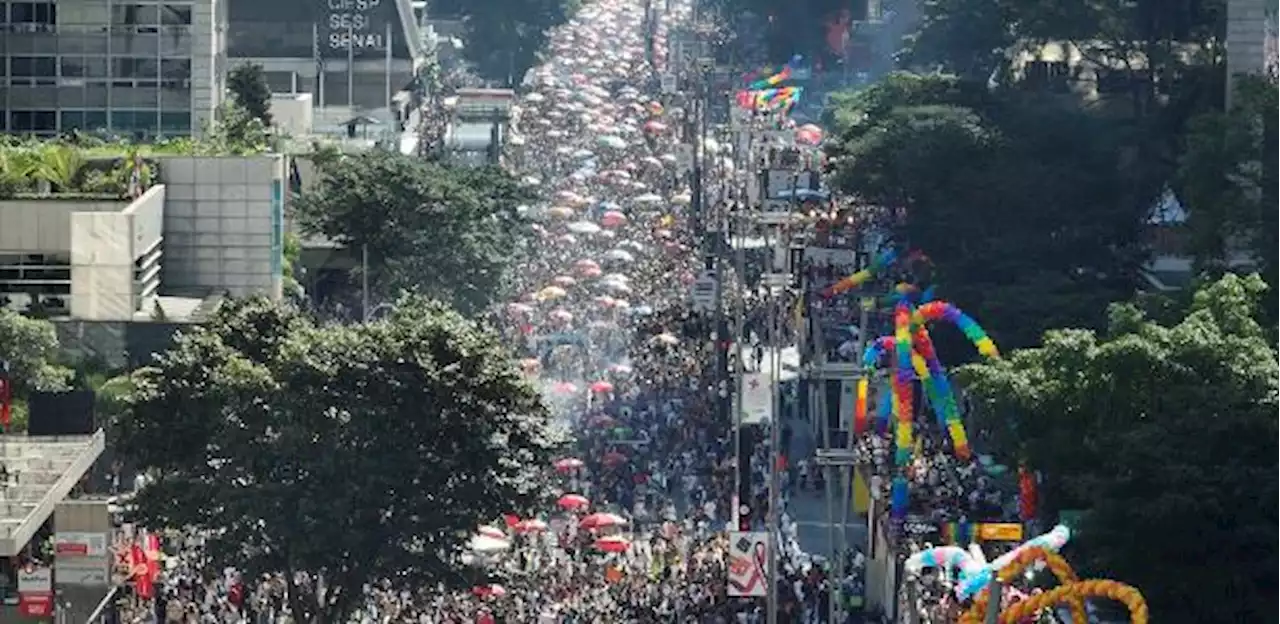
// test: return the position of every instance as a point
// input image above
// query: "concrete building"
(94, 260)
(43, 471)
(215, 226)
(145, 68)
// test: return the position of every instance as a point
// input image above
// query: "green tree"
(356, 454)
(1166, 435)
(1027, 209)
(30, 346)
(504, 38)
(450, 233)
(247, 83)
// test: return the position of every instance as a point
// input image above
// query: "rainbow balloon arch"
(909, 355)
(913, 357)
(975, 579)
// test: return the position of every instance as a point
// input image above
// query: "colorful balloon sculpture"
(975, 574)
(915, 357)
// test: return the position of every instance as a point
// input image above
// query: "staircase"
(41, 472)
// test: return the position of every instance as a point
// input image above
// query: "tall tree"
(30, 347)
(451, 233)
(1026, 208)
(247, 83)
(355, 454)
(1166, 436)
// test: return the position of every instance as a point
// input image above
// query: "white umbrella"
(612, 142)
(647, 198)
(619, 255)
(534, 97)
(486, 544)
(583, 154)
(583, 227)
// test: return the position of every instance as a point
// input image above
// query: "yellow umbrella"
(550, 292)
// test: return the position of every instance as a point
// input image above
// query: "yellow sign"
(1000, 532)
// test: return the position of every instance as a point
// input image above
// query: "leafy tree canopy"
(972, 37)
(247, 83)
(451, 233)
(504, 38)
(1227, 177)
(1166, 435)
(356, 454)
(30, 346)
(1027, 209)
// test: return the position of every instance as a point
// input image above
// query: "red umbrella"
(512, 520)
(573, 502)
(585, 265)
(601, 387)
(612, 219)
(601, 520)
(613, 458)
(655, 126)
(486, 591)
(564, 387)
(531, 526)
(613, 544)
(568, 464)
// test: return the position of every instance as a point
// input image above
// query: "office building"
(353, 54)
(144, 68)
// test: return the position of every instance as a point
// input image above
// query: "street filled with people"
(603, 325)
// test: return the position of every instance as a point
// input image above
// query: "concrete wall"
(224, 224)
(104, 246)
(44, 225)
(292, 113)
(208, 61)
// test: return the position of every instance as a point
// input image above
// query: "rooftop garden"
(58, 170)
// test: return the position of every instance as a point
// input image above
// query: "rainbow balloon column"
(861, 277)
(915, 357)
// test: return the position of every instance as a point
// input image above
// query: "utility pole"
(364, 282)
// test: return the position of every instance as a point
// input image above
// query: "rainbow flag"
(773, 80)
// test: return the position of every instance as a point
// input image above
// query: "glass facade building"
(142, 68)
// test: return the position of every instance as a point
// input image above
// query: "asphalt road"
(809, 509)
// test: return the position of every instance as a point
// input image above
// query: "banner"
(35, 592)
(748, 563)
(757, 398)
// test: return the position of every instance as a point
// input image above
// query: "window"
(135, 15)
(88, 121)
(134, 121)
(34, 121)
(95, 119)
(173, 124)
(83, 67)
(34, 67)
(1046, 74)
(175, 73)
(175, 15)
(148, 68)
(45, 13)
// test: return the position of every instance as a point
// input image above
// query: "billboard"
(301, 29)
(364, 26)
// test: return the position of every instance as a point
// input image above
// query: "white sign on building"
(748, 563)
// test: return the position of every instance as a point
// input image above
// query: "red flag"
(6, 400)
(1027, 494)
(142, 582)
